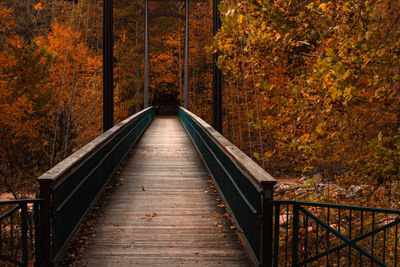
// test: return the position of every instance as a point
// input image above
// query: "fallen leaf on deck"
(216, 214)
(216, 224)
(151, 214)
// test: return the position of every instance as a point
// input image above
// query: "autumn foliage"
(45, 81)
(318, 82)
(309, 86)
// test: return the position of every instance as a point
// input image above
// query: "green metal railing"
(293, 233)
(245, 186)
(321, 234)
(70, 188)
(19, 232)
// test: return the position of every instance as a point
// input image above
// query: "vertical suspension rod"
(108, 75)
(146, 57)
(186, 71)
(217, 75)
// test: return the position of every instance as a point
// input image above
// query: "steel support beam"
(186, 71)
(108, 74)
(217, 75)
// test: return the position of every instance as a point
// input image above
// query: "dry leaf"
(151, 214)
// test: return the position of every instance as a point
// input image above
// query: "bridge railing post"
(266, 225)
(45, 223)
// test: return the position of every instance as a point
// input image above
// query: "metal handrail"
(308, 233)
(332, 205)
(15, 233)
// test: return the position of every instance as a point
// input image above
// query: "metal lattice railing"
(321, 234)
(19, 232)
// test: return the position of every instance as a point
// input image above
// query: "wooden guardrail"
(71, 187)
(245, 186)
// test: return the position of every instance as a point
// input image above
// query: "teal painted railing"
(70, 188)
(322, 234)
(245, 186)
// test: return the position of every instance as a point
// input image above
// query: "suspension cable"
(85, 62)
(72, 91)
(232, 110)
(62, 86)
(96, 25)
(237, 89)
(254, 83)
(245, 87)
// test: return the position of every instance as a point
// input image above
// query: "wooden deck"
(166, 212)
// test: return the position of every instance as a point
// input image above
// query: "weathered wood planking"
(184, 231)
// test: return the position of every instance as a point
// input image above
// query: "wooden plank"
(187, 229)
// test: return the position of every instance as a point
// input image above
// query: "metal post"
(217, 75)
(266, 225)
(45, 224)
(186, 72)
(295, 233)
(24, 234)
(37, 233)
(146, 57)
(108, 75)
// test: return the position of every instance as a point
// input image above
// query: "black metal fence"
(321, 234)
(19, 232)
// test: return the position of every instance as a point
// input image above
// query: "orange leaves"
(31, 74)
(151, 214)
(6, 20)
(38, 6)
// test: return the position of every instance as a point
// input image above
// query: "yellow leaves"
(323, 6)
(268, 154)
(321, 127)
(346, 7)
(38, 6)
(346, 75)
(240, 18)
(304, 138)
